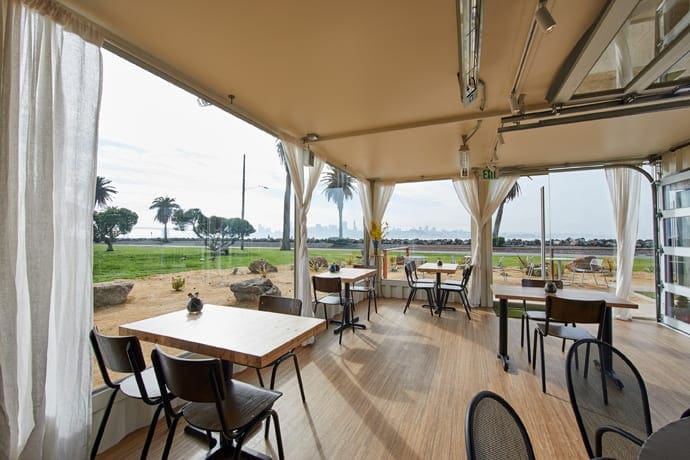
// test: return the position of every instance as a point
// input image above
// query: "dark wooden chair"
(333, 290)
(214, 403)
(559, 313)
(458, 288)
(123, 354)
(493, 430)
(416, 285)
(533, 315)
(367, 287)
(612, 415)
(287, 306)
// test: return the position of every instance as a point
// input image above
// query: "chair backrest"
(578, 311)
(409, 273)
(598, 401)
(194, 380)
(534, 282)
(329, 285)
(285, 305)
(596, 265)
(466, 273)
(494, 431)
(119, 354)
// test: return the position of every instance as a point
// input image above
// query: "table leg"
(606, 354)
(347, 321)
(503, 333)
(439, 307)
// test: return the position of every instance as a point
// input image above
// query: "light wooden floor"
(400, 389)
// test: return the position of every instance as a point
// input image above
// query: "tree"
(164, 207)
(285, 242)
(217, 233)
(111, 223)
(339, 187)
(103, 191)
(512, 194)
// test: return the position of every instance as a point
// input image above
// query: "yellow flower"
(378, 231)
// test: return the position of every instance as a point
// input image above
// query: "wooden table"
(505, 293)
(237, 335)
(349, 276)
(434, 267)
(667, 443)
(559, 263)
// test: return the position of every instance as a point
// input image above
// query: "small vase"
(550, 287)
(195, 305)
(376, 246)
(439, 262)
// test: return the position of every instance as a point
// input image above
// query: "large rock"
(250, 290)
(111, 293)
(256, 267)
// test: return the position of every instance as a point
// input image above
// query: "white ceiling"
(377, 79)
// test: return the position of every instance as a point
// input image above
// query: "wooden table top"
(432, 267)
(348, 274)
(243, 336)
(538, 294)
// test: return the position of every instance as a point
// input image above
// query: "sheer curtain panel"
(624, 188)
(374, 198)
(303, 187)
(50, 84)
(481, 199)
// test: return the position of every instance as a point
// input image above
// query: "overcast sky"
(155, 140)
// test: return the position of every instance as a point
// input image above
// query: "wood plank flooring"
(400, 388)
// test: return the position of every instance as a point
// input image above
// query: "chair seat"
(330, 299)
(451, 287)
(535, 315)
(242, 405)
(129, 385)
(362, 287)
(426, 280)
(422, 285)
(565, 332)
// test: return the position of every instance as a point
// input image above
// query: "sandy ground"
(154, 295)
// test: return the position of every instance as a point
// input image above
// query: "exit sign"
(489, 174)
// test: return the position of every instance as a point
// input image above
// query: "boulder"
(256, 266)
(250, 290)
(111, 293)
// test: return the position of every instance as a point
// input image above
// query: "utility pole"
(243, 189)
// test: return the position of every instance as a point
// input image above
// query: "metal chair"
(566, 311)
(368, 287)
(123, 354)
(613, 417)
(534, 315)
(494, 431)
(333, 288)
(287, 306)
(460, 289)
(213, 402)
(415, 285)
(415, 275)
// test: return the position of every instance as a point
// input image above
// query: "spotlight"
(544, 18)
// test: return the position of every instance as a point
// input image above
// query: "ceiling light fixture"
(464, 153)
(544, 18)
(311, 137)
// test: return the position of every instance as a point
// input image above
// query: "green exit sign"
(489, 174)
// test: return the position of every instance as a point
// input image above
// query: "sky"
(156, 140)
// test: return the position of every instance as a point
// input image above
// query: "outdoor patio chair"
(597, 267)
(368, 287)
(416, 285)
(458, 288)
(214, 403)
(287, 306)
(494, 431)
(123, 354)
(333, 289)
(535, 269)
(563, 312)
(613, 419)
(580, 265)
(501, 268)
(416, 277)
(534, 315)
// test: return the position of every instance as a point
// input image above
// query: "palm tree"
(512, 194)
(164, 206)
(339, 187)
(285, 242)
(103, 191)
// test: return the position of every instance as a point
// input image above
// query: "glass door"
(674, 226)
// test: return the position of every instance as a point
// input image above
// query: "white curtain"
(50, 81)
(624, 188)
(303, 188)
(481, 199)
(374, 197)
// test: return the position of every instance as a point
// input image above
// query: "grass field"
(130, 261)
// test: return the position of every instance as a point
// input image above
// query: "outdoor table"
(235, 335)
(667, 443)
(505, 293)
(349, 276)
(430, 267)
(559, 263)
